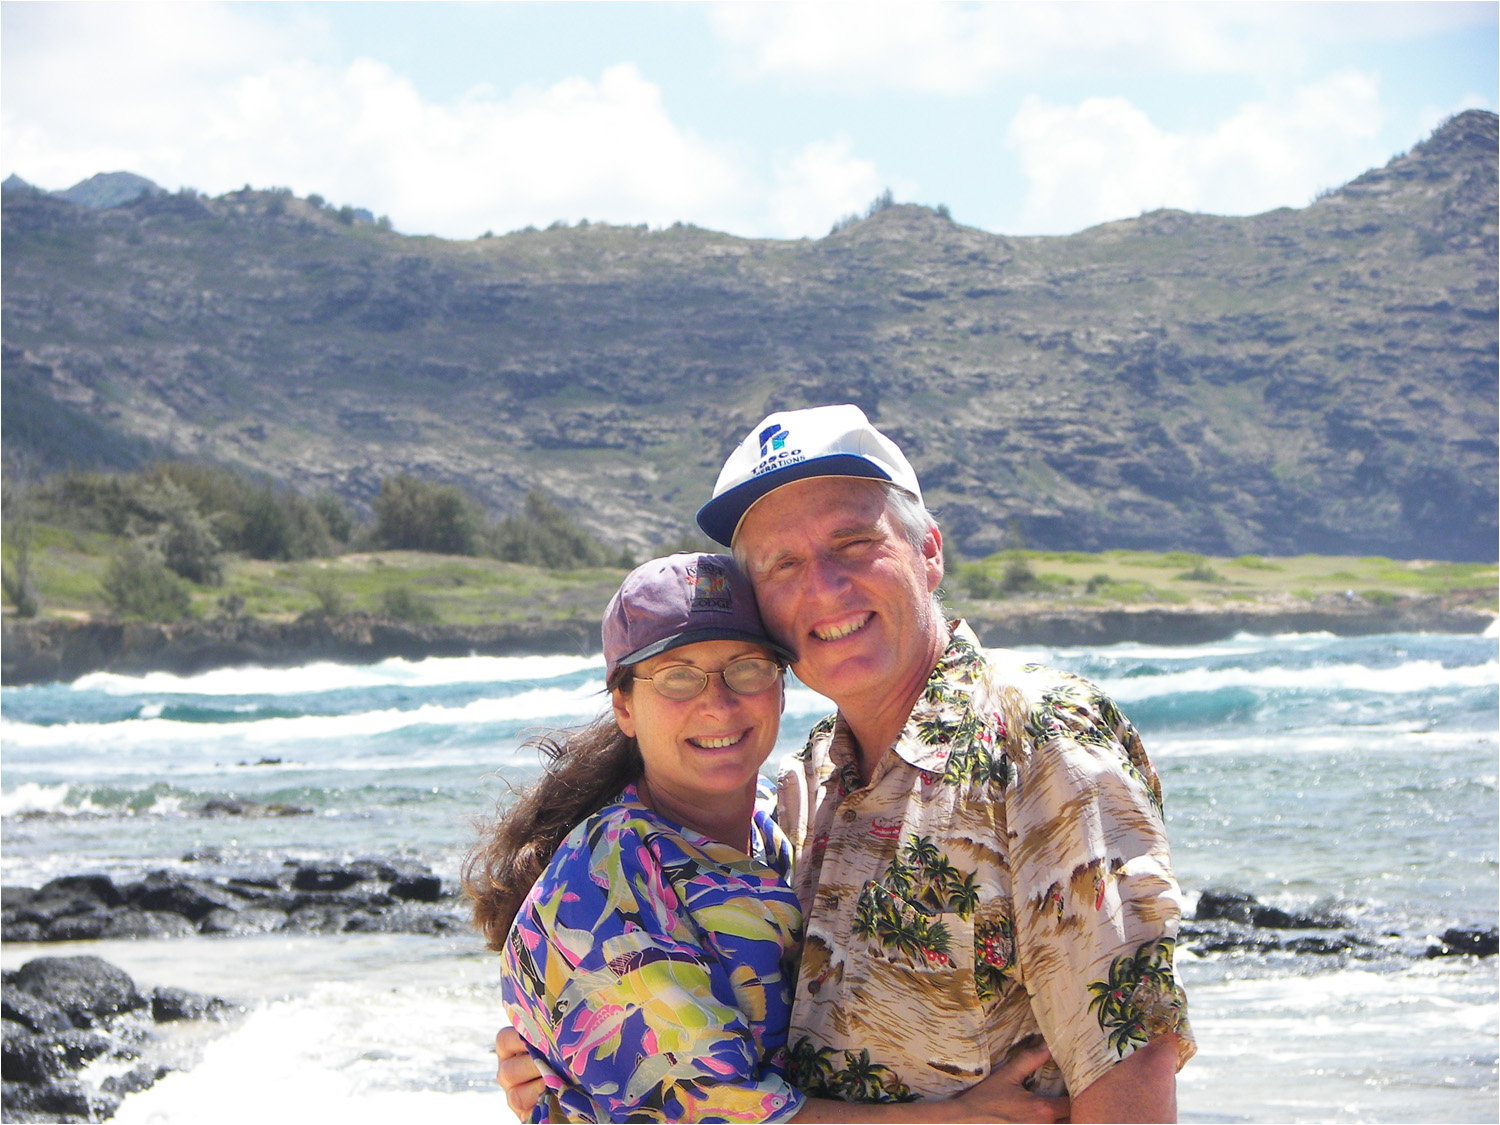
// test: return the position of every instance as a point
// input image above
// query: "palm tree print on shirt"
(1141, 998)
(860, 1079)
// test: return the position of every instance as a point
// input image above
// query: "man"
(981, 855)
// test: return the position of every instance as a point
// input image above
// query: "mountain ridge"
(1320, 379)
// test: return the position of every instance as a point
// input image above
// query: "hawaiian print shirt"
(650, 973)
(1004, 873)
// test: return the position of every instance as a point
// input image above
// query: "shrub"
(330, 600)
(283, 526)
(137, 583)
(976, 581)
(1201, 572)
(1099, 582)
(545, 535)
(336, 517)
(417, 515)
(186, 541)
(16, 578)
(400, 603)
(1018, 577)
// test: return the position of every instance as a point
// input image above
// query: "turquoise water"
(1308, 770)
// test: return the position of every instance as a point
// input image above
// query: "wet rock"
(86, 989)
(31, 1013)
(326, 878)
(1237, 906)
(63, 1013)
(418, 888)
(1457, 942)
(193, 898)
(367, 894)
(147, 924)
(25, 1057)
(64, 1100)
(168, 1005)
(252, 920)
(135, 1080)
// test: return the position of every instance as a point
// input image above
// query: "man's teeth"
(716, 743)
(838, 632)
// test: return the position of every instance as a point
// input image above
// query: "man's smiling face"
(839, 583)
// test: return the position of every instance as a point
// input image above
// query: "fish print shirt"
(1004, 873)
(650, 972)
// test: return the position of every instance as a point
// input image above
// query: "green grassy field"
(67, 567)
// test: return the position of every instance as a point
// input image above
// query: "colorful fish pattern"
(650, 972)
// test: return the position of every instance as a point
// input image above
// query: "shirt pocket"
(911, 983)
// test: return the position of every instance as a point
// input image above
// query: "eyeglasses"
(749, 676)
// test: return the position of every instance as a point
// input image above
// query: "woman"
(639, 897)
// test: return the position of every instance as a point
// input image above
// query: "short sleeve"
(1097, 907)
(611, 983)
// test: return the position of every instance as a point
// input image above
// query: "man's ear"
(932, 557)
(621, 702)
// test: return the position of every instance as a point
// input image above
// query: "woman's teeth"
(716, 743)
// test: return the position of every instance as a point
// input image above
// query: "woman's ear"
(620, 701)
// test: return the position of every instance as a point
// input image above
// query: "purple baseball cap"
(680, 600)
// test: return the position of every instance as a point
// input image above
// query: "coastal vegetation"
(183, 540)
(78, 572)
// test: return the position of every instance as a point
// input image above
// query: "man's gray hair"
(906, 511)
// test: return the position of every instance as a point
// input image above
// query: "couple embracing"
(962, 908)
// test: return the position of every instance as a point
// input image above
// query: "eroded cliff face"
(1313, 380)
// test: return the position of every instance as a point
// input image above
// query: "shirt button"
(849, 815)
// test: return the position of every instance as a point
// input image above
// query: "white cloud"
(208, 97)
(951, 48)
(819, 183)
(1105, 159)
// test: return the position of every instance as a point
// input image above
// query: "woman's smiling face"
(709, 746)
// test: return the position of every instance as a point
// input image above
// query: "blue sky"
(765, 120)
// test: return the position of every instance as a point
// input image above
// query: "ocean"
(1355, 775)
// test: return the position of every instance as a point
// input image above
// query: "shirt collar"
(949, 687)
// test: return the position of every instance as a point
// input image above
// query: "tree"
(187, 543)
(417, 515)
(137, 583)
(545, 535)
(19, 528)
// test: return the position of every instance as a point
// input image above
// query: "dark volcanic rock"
(378, 896)
(1459, 942)
(169, 1005)
(1236, 906)
(86, 989)
(43, 1050)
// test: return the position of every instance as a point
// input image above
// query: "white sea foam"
(325, 677)
(563, 705)
(1402, 679)
(31, 797)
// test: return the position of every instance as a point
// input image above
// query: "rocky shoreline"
(366, 896)
(62, 1014)
(59, 651)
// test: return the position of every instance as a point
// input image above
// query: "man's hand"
(517, 1074)
(1003, 1096)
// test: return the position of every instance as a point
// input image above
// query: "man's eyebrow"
(853, 529)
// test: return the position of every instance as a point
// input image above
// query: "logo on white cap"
(794, 445)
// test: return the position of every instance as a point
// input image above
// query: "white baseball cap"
(792, 445)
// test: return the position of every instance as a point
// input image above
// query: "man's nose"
(828, 574)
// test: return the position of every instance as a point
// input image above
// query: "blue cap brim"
(721, 515)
